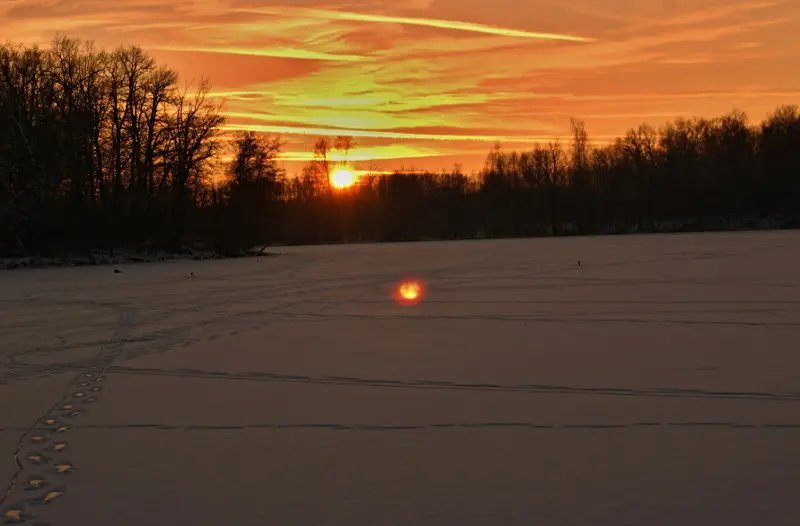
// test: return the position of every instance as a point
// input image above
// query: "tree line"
(102, 150)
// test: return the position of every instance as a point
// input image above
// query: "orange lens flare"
(409, 292)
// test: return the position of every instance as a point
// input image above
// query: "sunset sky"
(426, 83)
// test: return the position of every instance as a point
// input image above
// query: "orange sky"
(426, 83)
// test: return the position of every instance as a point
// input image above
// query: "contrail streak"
(429, 22)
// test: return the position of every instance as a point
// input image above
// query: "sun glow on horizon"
(343, 178)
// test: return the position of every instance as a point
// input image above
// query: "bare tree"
(193, 137)
(159, 87)
(320, 165)
(344, 144)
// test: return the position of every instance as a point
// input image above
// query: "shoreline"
(96, 258)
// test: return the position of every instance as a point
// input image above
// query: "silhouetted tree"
(102, 149)
(252, 191)
(98, 148)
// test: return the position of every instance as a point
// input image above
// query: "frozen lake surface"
(658, 383)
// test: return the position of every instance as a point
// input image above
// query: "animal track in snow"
(36, 458)
(58, 447)
(16, 514)
(40, 453)
(35, 482)
(63, 467)
(50, 496)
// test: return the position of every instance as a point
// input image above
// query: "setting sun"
(342, 178)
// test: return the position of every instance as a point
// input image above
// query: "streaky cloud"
(368, 153)
(270, 51)
(428, 22)
(333, 132)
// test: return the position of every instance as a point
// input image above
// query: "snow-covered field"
(658, 383)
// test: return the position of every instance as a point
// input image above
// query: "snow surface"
(658, 383)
